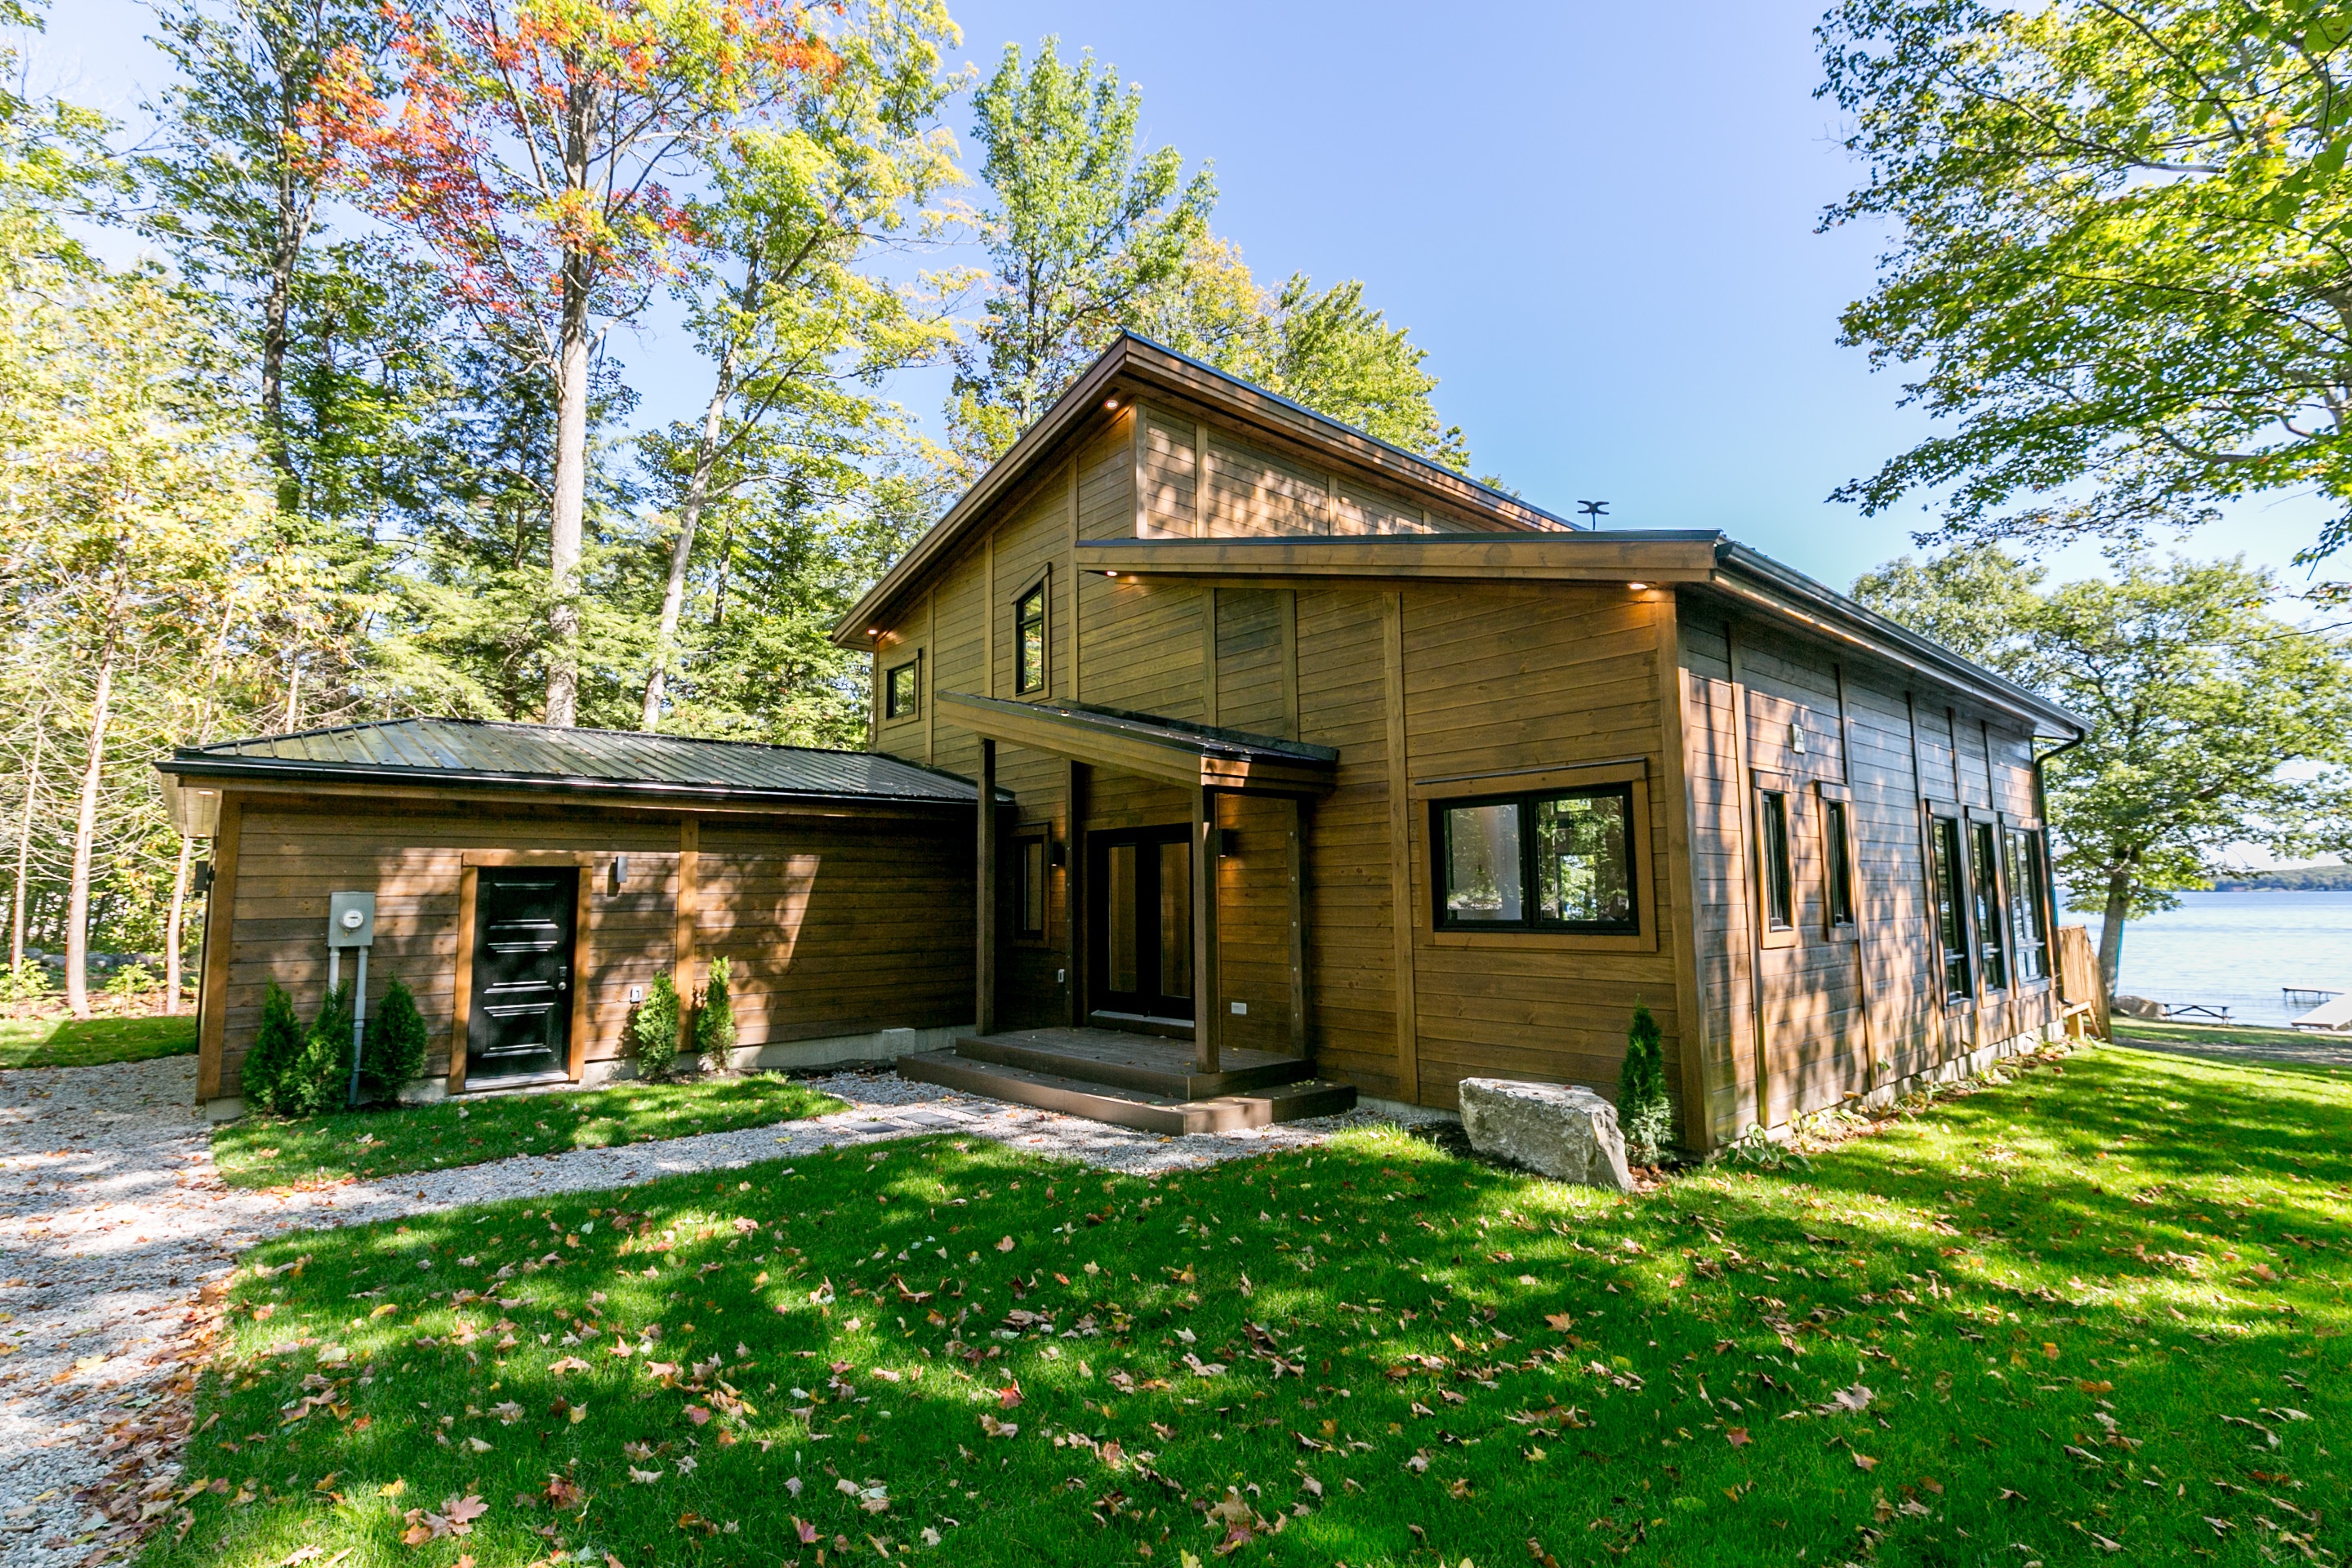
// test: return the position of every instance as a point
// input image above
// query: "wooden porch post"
(983, 1006)
(1077, 893)
(1297, 877)
(1206, 1002)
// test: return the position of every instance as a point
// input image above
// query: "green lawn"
(2098, 1312)
(263, 1152)
(2215, 1036)
(88, 1042)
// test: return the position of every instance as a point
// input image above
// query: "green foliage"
(654, 1029)
(397, 1041)
(2213, 721)
(1644, 1115)
(344, 1144)
(2120, 264)
(318, 1078)
(278, 1042)
(131, 980)
(25, 982)
(714, 1020)
(93, 1042)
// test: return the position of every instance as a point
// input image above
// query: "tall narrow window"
(2029, 902)
(1772, 843)
(901, 692)
(1029, 641)
(1951, 918)
(1029, 896)
(1543, 862)
(1838, 863)
(1984, 876)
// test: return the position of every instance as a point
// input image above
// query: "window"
(1984, 875)
(2029, 906)
(1029, 640)
(1951, 920)
(1551, 862)
(1772, 844)
(1029, 874)
(1837, 863)
(901, 691)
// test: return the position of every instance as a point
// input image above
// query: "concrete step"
(1138, 1108)
(1160, 1067)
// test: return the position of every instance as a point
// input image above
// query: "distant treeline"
(2301, 880)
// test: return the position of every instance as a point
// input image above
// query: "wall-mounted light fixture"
(620, 874)
(1639, 587)
(1111, 404)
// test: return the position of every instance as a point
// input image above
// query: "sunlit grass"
(90, 1042)
(2096, 1315)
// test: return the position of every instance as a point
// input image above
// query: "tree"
(797, 333)
(1086, 229)
(530, 149)
(2119, 262)
(2212, 721)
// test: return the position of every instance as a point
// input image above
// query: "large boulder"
(1565, 1130)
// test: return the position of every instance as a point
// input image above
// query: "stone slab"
(1565, 1130)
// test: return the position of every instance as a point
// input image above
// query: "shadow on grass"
(1948, 1341)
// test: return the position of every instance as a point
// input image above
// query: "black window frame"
(1947, 906)
(1440, 861)
(1776, 859)
(1837, 864)
(1990, 946)
(891, 706)
(1032, 864)
(1028, 681)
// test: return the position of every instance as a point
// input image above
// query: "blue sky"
(1601, 228)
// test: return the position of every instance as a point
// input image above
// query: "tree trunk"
(24, 849)
(277, 312)
(171, 929)
(2111, 926)
(86, 834)
(571, 499)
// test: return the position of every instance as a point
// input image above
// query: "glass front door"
(1142, 922)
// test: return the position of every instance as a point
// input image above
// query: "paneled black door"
(1140, 884)
(519, 1024)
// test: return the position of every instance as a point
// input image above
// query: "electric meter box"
(350, 919)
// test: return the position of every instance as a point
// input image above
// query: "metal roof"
(479, 753)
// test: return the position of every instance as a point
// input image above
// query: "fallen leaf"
(805, 1530)
(1004, 1246)
(1865, 1462)
(1737, 1438)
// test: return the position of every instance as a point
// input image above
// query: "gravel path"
(116, 1233)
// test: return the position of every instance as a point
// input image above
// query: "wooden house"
(528, 884)
(1335, 771)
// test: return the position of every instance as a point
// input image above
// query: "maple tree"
(538, 150)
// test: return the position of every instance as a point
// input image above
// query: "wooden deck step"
(1135, 1107)
(1145, 1062)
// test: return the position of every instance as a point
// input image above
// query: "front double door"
(1142, 926)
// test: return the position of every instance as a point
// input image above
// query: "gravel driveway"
(113, 1224)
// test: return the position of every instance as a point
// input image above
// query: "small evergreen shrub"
(318, 1078)
(275, 1045)
(1643, 1113)
(714, 1021)
(655, 1027)
(395, 1045)
(132, 979)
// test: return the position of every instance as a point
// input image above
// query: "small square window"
(1551, 862)
(902, 691)
(1029, 641)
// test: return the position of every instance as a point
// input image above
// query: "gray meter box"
(350, 919)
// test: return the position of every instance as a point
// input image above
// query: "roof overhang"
(1133, 367)
(1194, 756)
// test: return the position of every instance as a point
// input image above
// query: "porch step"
(1154, 1066)
(1135, 1107)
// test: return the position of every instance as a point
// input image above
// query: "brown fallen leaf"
(1865, 1462)
(1737, 1438)
(1004, 1246)
(1561, 1321)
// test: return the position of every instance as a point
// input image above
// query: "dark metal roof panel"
(465, 751)
(1205, 739)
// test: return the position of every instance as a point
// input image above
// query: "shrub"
(714, 1021)
(395, 1045)
(318, 1078)
(655, 1027)
(24, 982)
(132, 980)
(1643, 1113)
(275, 1045)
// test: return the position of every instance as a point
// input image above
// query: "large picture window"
(1984, 878)
(2029, 901)
(1951, 916)
(1557, 862)
(1029, 641)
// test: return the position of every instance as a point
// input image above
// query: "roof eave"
(185, 763)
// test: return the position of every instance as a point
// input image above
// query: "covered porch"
(1149, 1015)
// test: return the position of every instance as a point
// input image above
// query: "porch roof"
(1196, 755)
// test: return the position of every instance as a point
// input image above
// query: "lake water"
(2238, 950)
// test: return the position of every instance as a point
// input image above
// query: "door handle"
(563, 977)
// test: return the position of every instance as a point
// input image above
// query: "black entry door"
(1142, 923)
(519, 1024)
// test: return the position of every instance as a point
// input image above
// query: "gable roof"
(474, 753)
(1135, 362)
